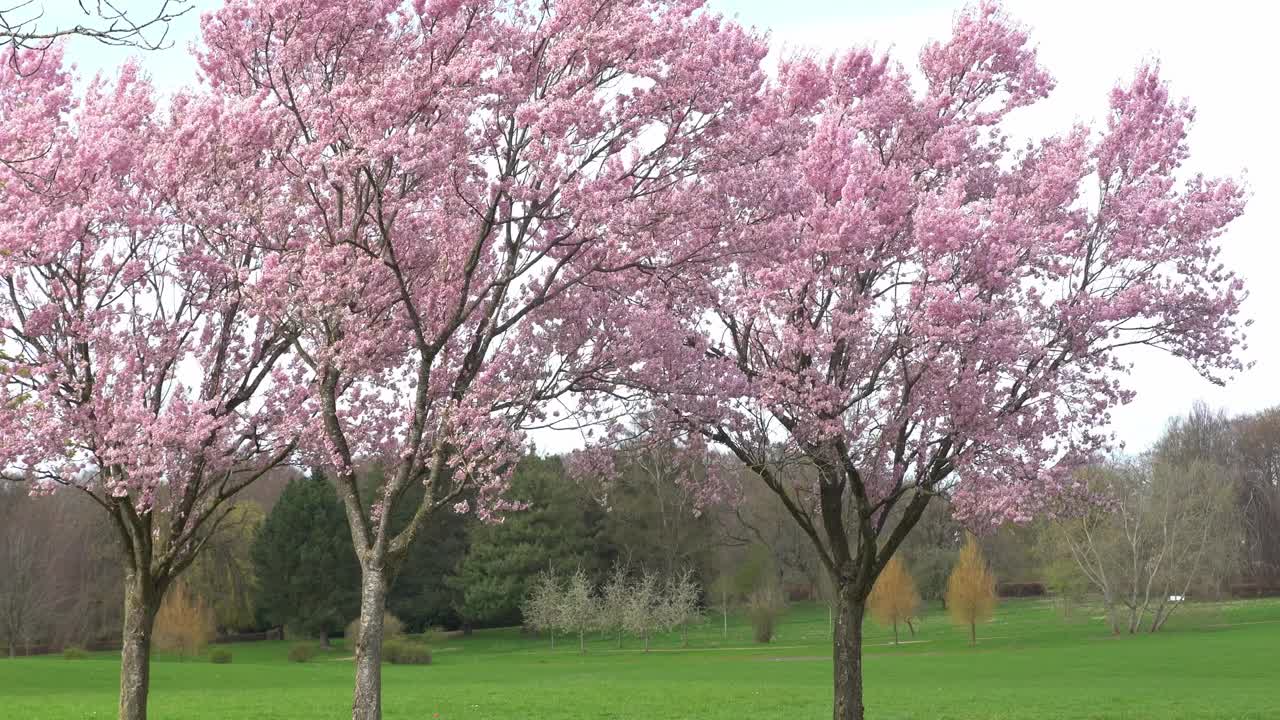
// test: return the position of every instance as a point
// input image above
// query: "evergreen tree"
(308, 576)
(558, 530)
(422, 595)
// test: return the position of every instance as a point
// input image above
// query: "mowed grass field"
(1212, 661)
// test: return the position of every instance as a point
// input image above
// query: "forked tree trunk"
(140, 607)
(847, 655)
(367, 704)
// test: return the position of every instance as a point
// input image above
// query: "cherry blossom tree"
(462, 191)
(135, 360)
(915, 305)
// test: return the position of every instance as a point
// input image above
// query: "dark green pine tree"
(559, 530)
(308, 576)
(420, 595)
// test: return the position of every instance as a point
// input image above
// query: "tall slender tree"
(971, 589)
(463, 189)
(894, 599)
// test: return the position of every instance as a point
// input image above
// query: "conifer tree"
(894, 598)
(971, 589)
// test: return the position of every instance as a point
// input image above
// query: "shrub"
(184, 624)
(391, 628)
(1024, 589)
(435, 635)
(303, 652)
(220, 656)
(400, 651)
(764, 606)
(74, 652)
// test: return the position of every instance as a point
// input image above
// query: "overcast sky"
(1219, 54)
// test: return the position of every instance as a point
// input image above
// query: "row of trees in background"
(1191, 519)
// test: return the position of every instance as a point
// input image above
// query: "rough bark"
(847, 656)
(140, 606)
(367, 702)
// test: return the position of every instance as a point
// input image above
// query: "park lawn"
(1213, 661)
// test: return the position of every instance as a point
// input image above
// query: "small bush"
(399, 651)
(391, 628)
(220, 656)
(1026, 589)
(303, 652)
(764, 607)
(74, 652)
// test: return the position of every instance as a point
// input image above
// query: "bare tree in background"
(1164, 530)
(1258, 448)
(129, 23)
(24, 587)
(656, 518)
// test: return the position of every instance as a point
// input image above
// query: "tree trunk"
(895, 631)
(140, 606)
(582, 642)
(847, 656)
(724, 604)
(973, 634)
(367, 704)
(1112, 615)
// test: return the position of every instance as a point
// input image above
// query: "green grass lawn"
(1212, 661)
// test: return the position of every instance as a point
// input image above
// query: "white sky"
(1215, 53)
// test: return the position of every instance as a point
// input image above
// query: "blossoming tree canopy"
(916, 304)
(462, 192)
(135, 361)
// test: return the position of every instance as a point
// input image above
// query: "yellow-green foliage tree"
(184, 624)
(894, 598)
(222, 575)
(971, 589)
